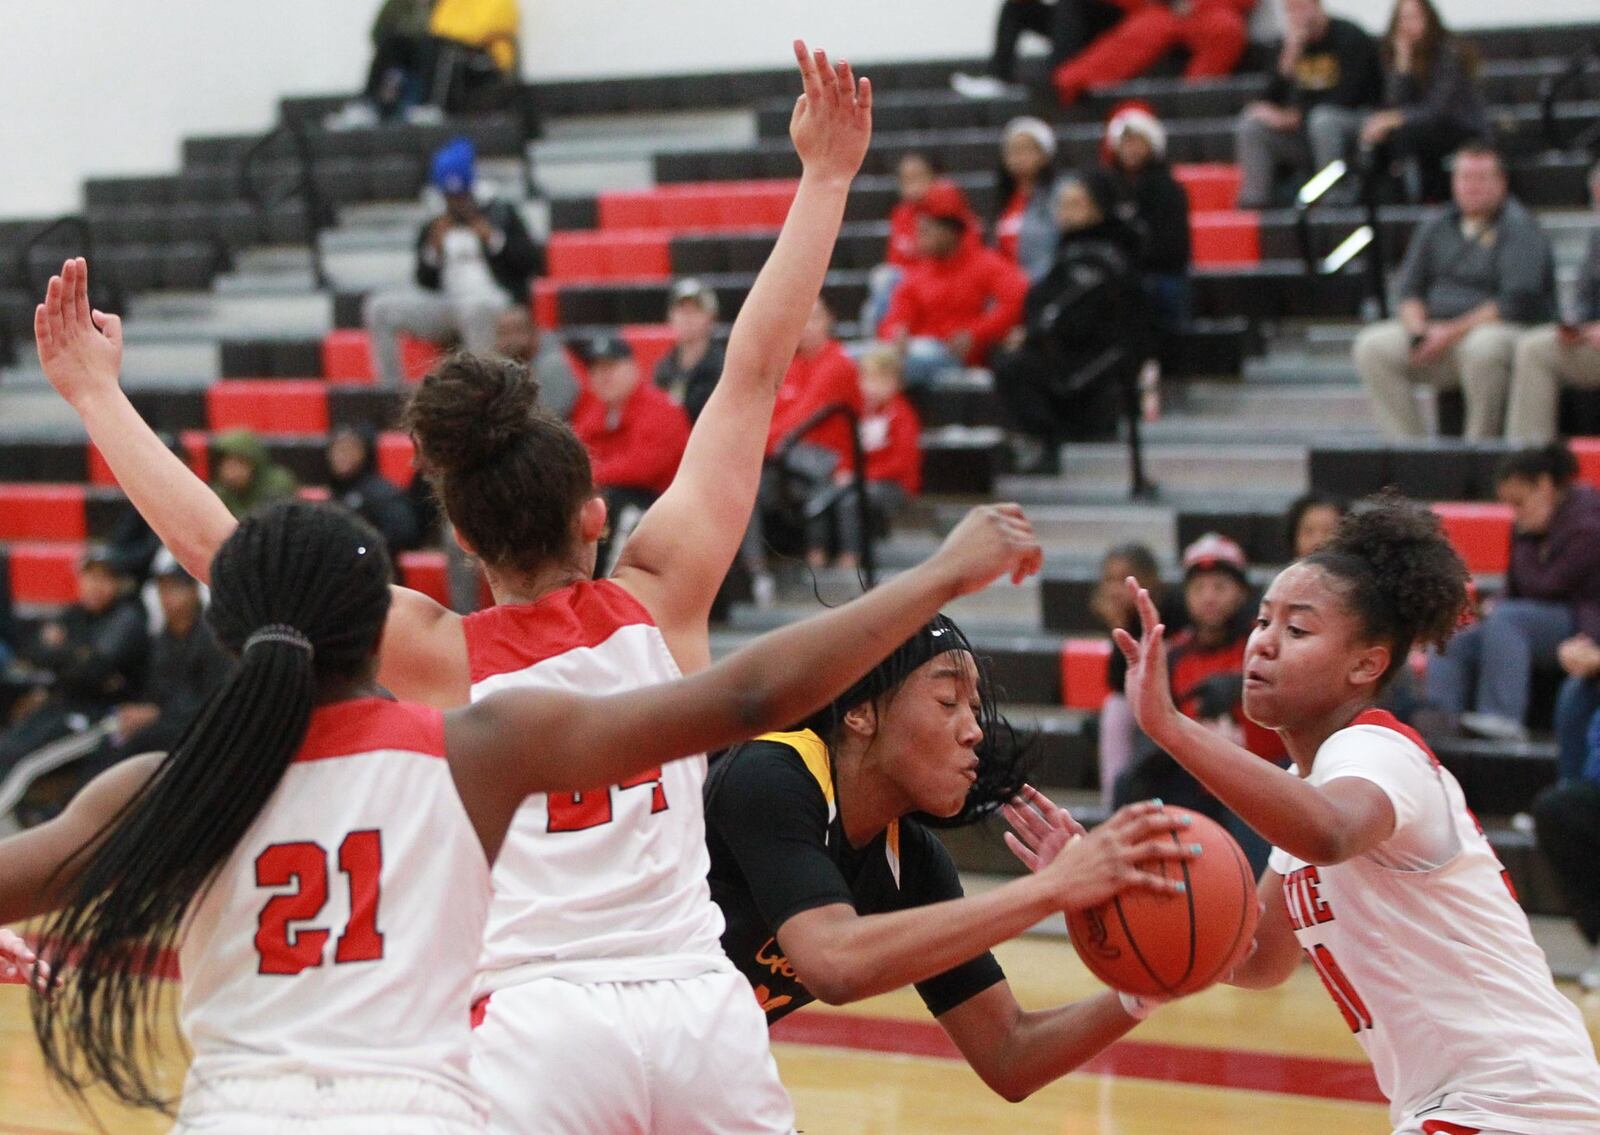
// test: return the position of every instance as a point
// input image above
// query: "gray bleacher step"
(1289, 431)
(144, 363)
(180, 316)
(1086, 531)
(31, 410)
(1290, 367)
(645, 131)
(1190, 468)
(1322, 404)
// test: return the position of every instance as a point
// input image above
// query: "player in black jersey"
(834, 888)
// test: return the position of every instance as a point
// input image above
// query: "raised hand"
(1115, 857)
(17, 963)
(1147, 688)
(832, 121)
(79, 348)
(1040, 828)
(991, 541)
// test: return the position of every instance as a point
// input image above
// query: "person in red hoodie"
(1214, 32)
(891, 443)
(957, 302)
(635, 435)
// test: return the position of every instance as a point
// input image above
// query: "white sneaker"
(357, 114)
(424, 114)
(980, 86)
(1494, 727)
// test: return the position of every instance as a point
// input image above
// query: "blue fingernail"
(1185, 821)
(1156, 801)
(1197, 848)
(1183, 888)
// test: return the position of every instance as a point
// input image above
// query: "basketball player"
(834, 888)
(341, 1005)
(613, 1006)
(1380, 873)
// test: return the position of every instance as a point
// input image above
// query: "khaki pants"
(1543, 365)
(1480, 365)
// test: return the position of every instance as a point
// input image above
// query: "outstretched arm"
(681, 550)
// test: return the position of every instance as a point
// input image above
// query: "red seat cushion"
(42, 512)
(45, 573)
(1587, 451)
(1210, 185)
(347, 356)
(621, 254)
(1083, 672)
(425, 572)
(397, 457)
(650, 343)
(1225, 238)
(546, 304)
(274, 406)
(1480, 532)
(719, 205)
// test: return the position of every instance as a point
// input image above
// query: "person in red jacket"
(1214, 32)
(891, 443)
(957, 302)
(635, 435)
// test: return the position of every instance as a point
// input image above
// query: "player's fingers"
(1026, 857)
(1163, 848)
(1027, 823)
(77, 292)
(843, 82)
(864, 96)
(110, 326)
(1126, 643)
(41, 328)
(1136, 879)
(825, 88)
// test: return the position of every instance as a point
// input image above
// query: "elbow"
(1322, 847)
(1011, 1088)
(832, 983)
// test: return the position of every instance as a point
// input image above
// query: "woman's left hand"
(19, 965)
(1148, 690)
(1040, 828)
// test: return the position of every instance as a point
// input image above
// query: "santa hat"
(1139, 120)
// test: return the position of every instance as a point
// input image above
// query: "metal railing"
(819, 504)
(302, 187)
(1366, 238)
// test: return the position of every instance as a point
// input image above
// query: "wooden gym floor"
(1224, 1063)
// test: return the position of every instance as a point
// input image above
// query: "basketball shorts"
(672, 1057)
(314, 1105)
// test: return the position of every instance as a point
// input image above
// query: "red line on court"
(1308, 1076)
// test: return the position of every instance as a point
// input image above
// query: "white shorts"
(679, 1057)
(314, 1105)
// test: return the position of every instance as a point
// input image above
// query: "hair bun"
(469, 410)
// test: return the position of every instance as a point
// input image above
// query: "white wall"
(113, 86)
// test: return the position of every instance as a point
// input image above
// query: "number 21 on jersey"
(286, 951)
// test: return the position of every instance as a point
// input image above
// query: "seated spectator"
(474, 260)
(958, 301)
(891, 443)
(1069, 25)
(1150, 201)
(635, 435)
(246, 475)
(517, 336)
(355, 483)
(914, 176)
(1567, 822)
(1311, 523)
(1431, 103)
(689, 372)
(1082, 331)
(1474, 276)
(473, 50)
(1112, 607)
(1024, 225)
(396, 80)
(1214, 32)
(1564, 354)
(1552, 596)
(96, 654)
(1328, 76)
(1206, 668)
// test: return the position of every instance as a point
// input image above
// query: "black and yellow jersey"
(778, 848)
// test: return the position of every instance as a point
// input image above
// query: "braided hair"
(300, 592)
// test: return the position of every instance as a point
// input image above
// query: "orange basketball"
(1155, 945)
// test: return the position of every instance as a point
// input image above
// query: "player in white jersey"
(632, 904)
(320, 853)
(1380, 875)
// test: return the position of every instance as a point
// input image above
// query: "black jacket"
(1087, 301)
(1342, 69)
(377, 501)
(1156, 208)
(517, 262)
(103, 659)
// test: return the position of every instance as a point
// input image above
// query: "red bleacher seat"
(197, 445)
(396, 457)
(1083, 672)
(42, 512)
(619, 254)
(1587, 451)
(650, 342)
(1480, 531)
(99, 472)
(1225, 238)
(45, 573)
(274, 406)
(720, 205)
(1211, 185)
(425, 572)
(347, 356)
(546, 304)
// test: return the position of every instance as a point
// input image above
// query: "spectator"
(96, 653)
(517, 336)
(1328, 74)
(1024, 226)
(1069, 25)
(958, 301)
(1567, 821)
(1061, 377)
(473, 49)
(474, 260)
(1431, 103)
(1112, 607)
(1213, 31)
(1206, 668)
(915, 175)
(1552, 597)
(1474, 275)
(1150, 201)
(396, 78)
(355, 483)
(891, 443)
(689, 372)
(1311, 523)
(247, 477)
(1568, 353)
(635, 435)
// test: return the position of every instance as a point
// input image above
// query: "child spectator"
(1311, 522)
(915, 175)
(1024, 227)
(689, 372)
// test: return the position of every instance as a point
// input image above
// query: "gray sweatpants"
(427, 315)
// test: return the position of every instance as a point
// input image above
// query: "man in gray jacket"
(1473, 278)
(1561, 354)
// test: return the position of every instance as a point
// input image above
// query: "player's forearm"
(182, 510)
(1046, 1045)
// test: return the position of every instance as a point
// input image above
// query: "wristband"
(1137, 1007)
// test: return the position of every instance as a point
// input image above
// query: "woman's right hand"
(80, 349)
(1116, 857)
(18, 962)
(991, 541)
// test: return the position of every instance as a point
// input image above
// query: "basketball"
(1154, 945)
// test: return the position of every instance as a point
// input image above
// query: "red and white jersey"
(1424, 949)
(339, 939)
(587, 880)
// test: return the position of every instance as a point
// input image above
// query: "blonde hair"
(883, 357)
